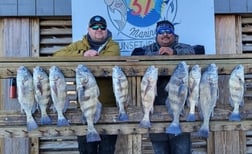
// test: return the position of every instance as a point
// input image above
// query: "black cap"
(165, 24)
(97, 20)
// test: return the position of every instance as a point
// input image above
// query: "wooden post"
(228, 41)
(16, 40)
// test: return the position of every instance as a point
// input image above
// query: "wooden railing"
(13, 123)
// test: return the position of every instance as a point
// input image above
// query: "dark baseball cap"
(97, 20)
(164, 24)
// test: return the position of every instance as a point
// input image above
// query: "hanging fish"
(236, 90)
(193, 95)
(88, 93)
(25, 90)
(148, 94)
(42, 93)
(209, 93)
(177, 89)
(120, 89)
(58, 94)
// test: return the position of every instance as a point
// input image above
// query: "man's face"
(98, 32)
(165, 38)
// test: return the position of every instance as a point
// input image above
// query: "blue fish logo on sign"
(134, 18)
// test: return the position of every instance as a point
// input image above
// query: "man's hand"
(91, 52)
(165, 51)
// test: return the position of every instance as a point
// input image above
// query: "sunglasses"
(96, 27)
(167, 31)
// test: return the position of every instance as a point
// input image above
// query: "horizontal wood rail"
(133, 65)
(13, 123)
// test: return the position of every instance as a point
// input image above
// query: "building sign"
(133, 22)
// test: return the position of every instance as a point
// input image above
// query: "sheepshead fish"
(193, 94)
(25, 90)
(236, 90)
(177, 89)
(42, 93)
(88, 93)
(148, 94)
(120, 88)
(209, 93)
(58, 94)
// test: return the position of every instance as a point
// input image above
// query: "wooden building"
(36, 28)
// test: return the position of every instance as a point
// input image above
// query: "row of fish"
(35, 91)
(39, 88)
(183, 87)
(193, 89)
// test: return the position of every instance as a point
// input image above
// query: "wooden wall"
(16, 42)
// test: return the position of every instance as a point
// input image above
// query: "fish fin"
(93, 136)
(62, 122)
(98, 112)
(168, 106)
(200, 112)
(235, 117)
(167, 87)
(145, 124)
(182, 113)
(123, 117)
(128, 101)
(152, 110)
(53, 108)
(46, 120)
(191, 117)
(31, 125)
(156, 93)
(50, 103)
(67, 103)
(242, 103)
(187, 102)
(84, 119)
(203, 132)
(34, 108)
(98, 90)
(174, 129)
(218, 93)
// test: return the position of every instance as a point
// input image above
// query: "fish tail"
(31, 125)
(235, 117)
(174, 129)
(93, 136)
(123, 117)
(98, 112)
(45, 120)
(191, 117)
(145, 124)
(203, 131)
(34, 107)
(62, 122)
